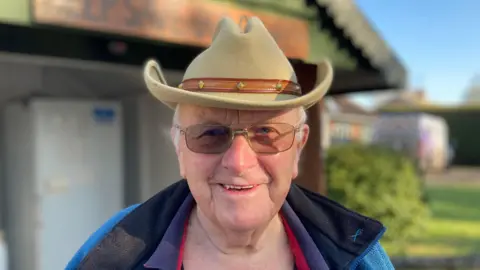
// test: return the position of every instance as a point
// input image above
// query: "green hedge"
(464, 127)
(381, 184)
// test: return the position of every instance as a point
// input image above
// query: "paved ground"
(464, 175)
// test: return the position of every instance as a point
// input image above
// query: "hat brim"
(171, 96)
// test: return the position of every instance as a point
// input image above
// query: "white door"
(79, 174)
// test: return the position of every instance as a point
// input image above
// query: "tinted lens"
(208, 139)
(271, 138)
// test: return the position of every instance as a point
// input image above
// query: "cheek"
(198, 166)
(198, 169)
(192, 165)
(283, 164)
(281, 169)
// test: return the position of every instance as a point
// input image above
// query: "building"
(86, 49)
(348, 122)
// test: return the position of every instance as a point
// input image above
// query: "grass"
(454, 229)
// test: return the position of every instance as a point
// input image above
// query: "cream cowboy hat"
(243, 70)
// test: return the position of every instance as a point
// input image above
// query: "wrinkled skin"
(238, 222)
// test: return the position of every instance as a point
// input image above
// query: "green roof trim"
(15, 12)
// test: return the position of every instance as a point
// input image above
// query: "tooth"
(237, 187)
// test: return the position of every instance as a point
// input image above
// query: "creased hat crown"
(242, 69)
(250, 53)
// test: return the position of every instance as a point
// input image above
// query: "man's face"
(239, 188)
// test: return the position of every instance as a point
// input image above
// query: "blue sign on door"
(103, 115)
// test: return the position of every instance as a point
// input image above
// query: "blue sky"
(438, 42)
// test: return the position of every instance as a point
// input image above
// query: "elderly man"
(239, 129)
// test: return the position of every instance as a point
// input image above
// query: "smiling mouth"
(238, 188)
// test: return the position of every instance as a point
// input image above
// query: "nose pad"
(242, 132)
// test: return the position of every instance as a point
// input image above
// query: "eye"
(214, 131)
(264, 130)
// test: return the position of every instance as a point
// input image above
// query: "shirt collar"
(166, 254)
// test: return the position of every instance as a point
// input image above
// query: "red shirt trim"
(182, 246)
(300, 260)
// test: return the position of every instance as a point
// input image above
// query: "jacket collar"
(340, 234)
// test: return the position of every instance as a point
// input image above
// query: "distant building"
(347, 121)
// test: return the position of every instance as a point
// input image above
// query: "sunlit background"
(395, 138)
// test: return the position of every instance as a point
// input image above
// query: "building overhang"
(378, 67)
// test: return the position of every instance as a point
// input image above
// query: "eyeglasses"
(265, 139)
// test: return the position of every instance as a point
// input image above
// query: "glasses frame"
(243, 132)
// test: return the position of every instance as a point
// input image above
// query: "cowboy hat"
(243, 70)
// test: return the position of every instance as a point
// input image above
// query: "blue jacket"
(329, 224)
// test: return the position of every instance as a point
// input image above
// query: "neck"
(272, 234)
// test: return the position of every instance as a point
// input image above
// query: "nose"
(239, 157)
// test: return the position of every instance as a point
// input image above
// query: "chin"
(243, 221)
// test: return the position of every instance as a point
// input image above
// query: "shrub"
(379, 183)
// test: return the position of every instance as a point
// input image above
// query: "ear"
(175, 137)
(181, 165)
(300, 144)
(302, 141)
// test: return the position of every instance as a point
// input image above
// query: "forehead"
(190, 114)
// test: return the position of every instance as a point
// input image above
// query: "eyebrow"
(268, 121)
(211, 122)
(209, 118)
